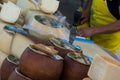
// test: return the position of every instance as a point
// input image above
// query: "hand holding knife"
(73, 30)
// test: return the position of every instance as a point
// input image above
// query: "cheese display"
(2, 57)
(14, 1)
(25, 6)
(20, 43)
(49, 6)
(9, 12)
(45, 27)
(5, 39)
(104, 68)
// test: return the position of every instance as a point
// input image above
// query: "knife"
(73, 32)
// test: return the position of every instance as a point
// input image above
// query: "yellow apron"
(100, 15)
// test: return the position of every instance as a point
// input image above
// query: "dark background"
(67, 8)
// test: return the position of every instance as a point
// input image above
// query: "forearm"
(111, 28)
(88, 7)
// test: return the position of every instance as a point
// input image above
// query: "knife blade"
(73, 32)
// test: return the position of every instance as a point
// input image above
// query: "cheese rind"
(5, 40)
(20, 43)
(104, 68)
(2, 57)
(9, 12)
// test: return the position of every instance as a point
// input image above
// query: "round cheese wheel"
(32, 12)
(47, 28)
(5, 39)
(9, 12)
(2, 57)
(49, 6)
(19, 44)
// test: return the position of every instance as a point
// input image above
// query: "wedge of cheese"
(2, 57)
(104, 68)
(9, 12)
(49, 6)
(20, 43)
(25, 6)
(5, 39)
(14, 1)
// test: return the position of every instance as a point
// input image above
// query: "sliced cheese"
(49, 6)
(5, 39)
(2, 57)
(9, 12)
(20, 43)
(104, 68)
(25, 6)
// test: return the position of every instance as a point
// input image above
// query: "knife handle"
(77, 16)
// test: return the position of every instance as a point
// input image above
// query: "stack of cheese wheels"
(49, 6)
(19, 44)
(32, 12)
(47, 30)
(104, 68)
(9, 12)
(14, 1)
(25, 6)
(5, 39)
(2, 57)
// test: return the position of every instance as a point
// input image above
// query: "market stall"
(34, 45)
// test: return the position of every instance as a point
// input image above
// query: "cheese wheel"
(19, 44)
(46, 30)
(9, 12)
(25, 6)
(2, 57)
(104, 68)
(31, 13)
(49, 6)
(5, 39)
(14, 1)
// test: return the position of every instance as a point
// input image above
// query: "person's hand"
(85, 32)
(84, 18)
